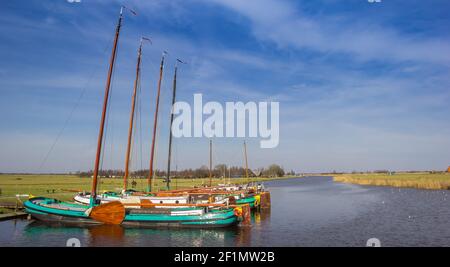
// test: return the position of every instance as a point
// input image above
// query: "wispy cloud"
(358, 90)
(280, 22)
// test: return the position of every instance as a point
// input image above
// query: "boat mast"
(174, 90)
(155, 124)
(246, 162)
(133, 103)
(229, 175)
(210, 162)
(105, 105)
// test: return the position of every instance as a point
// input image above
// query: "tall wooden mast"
(246, 161)
(174, 91)
(155, 124)
(229, 174)
(133, 104)
(105, 106)
(210, 162)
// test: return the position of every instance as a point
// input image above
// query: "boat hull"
(251, 200)
(59, 219)
(66, 213)
(85, 199)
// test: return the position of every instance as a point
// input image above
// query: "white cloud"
(283, 24)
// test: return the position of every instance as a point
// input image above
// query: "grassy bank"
(410, 180)
(63, 186)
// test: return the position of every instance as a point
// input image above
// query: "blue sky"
(361, 86)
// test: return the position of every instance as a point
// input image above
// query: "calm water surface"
(311, 211)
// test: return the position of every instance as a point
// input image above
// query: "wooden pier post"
(246, 215)
(265, 200)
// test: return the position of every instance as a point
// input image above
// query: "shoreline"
(63, 187)
(428, 181)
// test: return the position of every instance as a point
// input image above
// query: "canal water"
(311, 211)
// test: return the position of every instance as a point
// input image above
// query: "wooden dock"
(13, 215)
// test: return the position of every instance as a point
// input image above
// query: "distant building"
(448, 169)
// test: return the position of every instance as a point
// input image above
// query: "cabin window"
(177, 201)
(160, 202)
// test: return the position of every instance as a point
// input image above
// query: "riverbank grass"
(422, 180)
(63, 187)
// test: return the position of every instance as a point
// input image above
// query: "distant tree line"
(219, 171)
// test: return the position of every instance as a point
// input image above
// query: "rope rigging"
(107, 122)
(74, 108)
(137, 127)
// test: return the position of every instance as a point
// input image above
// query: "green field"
(63, 187)
(422, 180)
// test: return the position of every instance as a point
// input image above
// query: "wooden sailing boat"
(214, 195)
(47, 209)
(115, 212)
(238, 194)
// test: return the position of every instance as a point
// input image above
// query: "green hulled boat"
(143, 214)
(253, 201)
(52, 210)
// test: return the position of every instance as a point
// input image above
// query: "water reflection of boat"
(95, 235)
(261, 216)
(117, 235)
(182, 237)
(38, 233)
(106, 235)
(243, 237)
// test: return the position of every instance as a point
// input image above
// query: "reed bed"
(423, 180)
